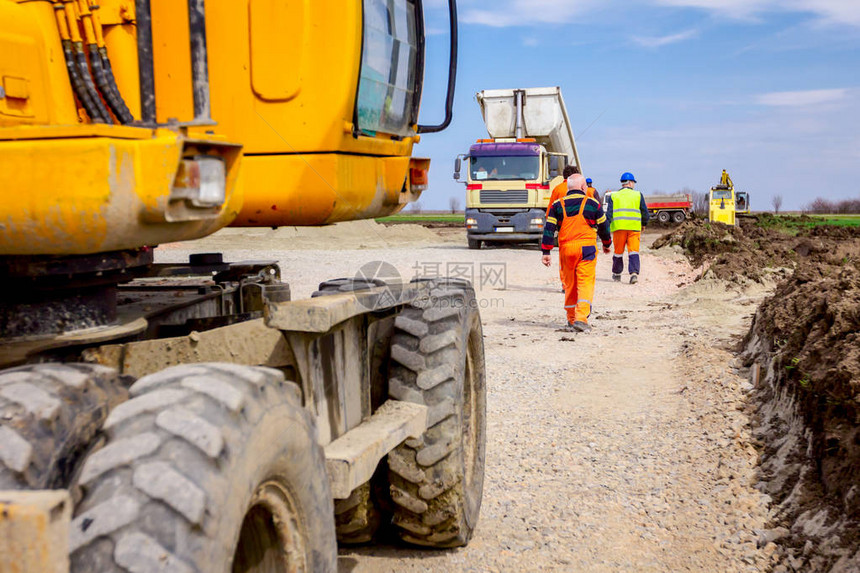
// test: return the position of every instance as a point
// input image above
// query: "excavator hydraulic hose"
(98, 56)
(75, 78)
(99, 114)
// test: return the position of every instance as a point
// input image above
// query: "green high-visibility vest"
(626, 215)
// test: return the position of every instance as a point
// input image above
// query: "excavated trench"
(803, 356)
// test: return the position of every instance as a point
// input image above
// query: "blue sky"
(671, 90)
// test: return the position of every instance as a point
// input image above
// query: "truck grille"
(504, 196)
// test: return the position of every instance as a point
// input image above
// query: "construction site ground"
(629, 448)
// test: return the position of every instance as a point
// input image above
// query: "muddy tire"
(679, 217)
(474, 244)
(437, 352)
(357, 518)
(207, 468)
(49, 416)
(664, 217)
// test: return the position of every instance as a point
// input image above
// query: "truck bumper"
(508, 227)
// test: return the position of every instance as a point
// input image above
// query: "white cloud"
(530, 41)
(658, 41)
(505, 13)
(829, 11)
(802, 98)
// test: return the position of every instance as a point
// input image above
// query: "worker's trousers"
(630, 240)
(580, 262)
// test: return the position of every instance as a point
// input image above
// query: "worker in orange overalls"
(560, 191)
(579, 219)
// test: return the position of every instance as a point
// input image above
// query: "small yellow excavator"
(725, 204)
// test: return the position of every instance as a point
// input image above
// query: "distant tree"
(416, 207)
(821, 206)
(847, 207)
(776, 201)
(700, 201)
(454, 204)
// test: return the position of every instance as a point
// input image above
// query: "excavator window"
(387, 80)
(722, 194)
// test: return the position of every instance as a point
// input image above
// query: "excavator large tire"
(208, 468)
(357, 518)
(437, 359)
(49, 416)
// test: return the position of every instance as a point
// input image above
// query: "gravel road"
(625, 449)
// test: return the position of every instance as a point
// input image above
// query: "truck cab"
(508, 185)
(510, 177)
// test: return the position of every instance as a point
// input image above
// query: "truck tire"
(679, 217)
(436, 481)
(474, 244)
(664, 217)
(336, 286)
(49, 415)
(207, 468)
(357, 518)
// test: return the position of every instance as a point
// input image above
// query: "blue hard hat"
(588, 180)
(627, 176)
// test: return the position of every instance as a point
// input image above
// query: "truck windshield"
(722, 194)
(388, 67)
(504, 168)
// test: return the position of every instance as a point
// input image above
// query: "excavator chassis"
(343, 350)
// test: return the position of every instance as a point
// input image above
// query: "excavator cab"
(723, 202)
(743, 203)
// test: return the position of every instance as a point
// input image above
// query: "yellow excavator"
(192, 417)
(725, 204)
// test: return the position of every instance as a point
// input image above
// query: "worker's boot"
(634, 279)
(580, 326)
(616, 277)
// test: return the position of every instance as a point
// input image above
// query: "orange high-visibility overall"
(629, 239)
(558, 192)
(577, 249)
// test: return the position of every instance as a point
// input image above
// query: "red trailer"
(665, 208)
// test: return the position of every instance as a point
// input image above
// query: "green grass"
(840, 220)
(419, 218)
(792, 224)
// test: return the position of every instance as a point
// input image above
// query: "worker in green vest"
(627, 213)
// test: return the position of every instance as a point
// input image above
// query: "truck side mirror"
(457, 169)
(553, 167)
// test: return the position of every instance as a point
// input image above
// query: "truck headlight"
(471, 223)
(537, 222)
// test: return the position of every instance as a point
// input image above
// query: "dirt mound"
(734, 253)
(731, 252)
(806, 337)
(804, 351)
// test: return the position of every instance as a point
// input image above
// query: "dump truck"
(725, 204)
(193, 417)
(509, 175)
